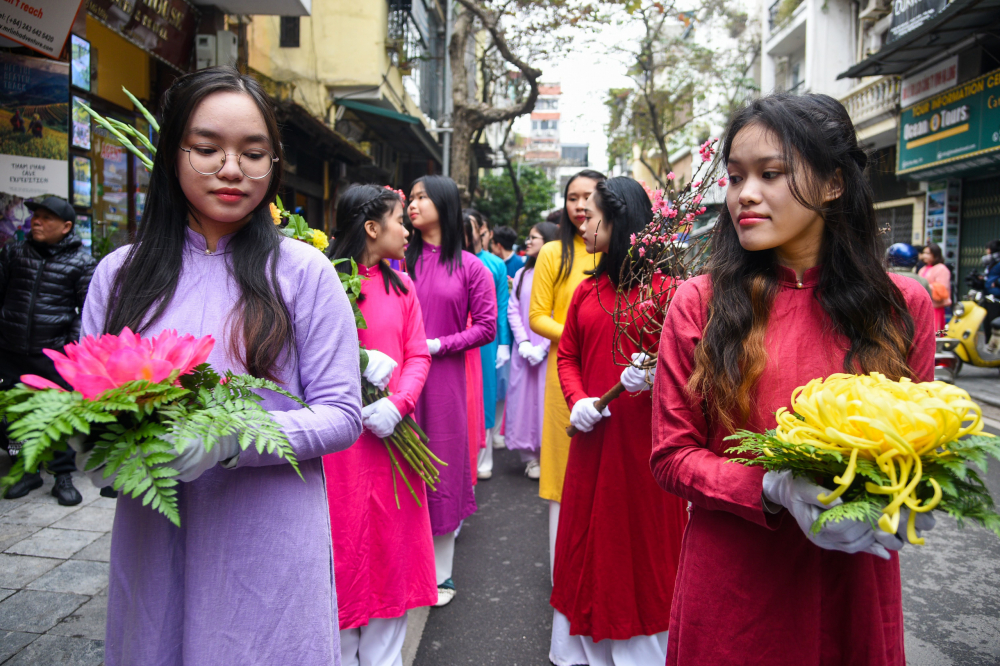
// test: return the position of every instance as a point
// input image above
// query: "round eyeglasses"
(209, 158)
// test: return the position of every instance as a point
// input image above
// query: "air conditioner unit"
(228, 50)
(875, 10)
(204, 51)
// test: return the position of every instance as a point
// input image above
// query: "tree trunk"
(514, 181)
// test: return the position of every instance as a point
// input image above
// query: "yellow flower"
(275, 214)
(318, 239)
(898, 426)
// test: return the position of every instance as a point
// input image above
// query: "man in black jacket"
(43, 283)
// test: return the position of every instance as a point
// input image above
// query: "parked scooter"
(967, 328)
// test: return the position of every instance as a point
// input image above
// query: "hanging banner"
(34, 126)
(41, 25)
(908, 15)
(164, 28)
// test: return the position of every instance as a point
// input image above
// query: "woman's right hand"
(585, 415)
(433, 346)
(800, 497)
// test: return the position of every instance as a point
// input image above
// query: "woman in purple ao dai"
(451, 285)
(526, 391)
(248, 576)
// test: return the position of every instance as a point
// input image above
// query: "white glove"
(585, 416)
(538, 354)
(799, 496)
(503, 355)
(526, 350)
(380, 367)
(96, 476)
(634, 379)
(195, 460)
(434, 346)
(924, 522)
(381, 417)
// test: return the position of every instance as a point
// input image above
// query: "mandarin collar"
(430, 247)
(369, 271)
(199, 244)
(786, 277)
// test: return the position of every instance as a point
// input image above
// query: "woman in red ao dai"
(795, 290)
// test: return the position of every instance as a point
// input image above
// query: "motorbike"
(964, 339)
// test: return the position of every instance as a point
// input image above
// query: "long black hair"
(863, 303)
(624, 205)
(548, 231)
(356, 206)
(567, 227)
(443, 193)
(144, 285)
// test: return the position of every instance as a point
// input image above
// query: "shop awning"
(324, 137)
(405, 132)
(266, 7)
(959, 20)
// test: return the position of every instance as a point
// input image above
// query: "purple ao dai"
(248, 577)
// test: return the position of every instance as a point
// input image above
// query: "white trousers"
(485, 461)
(569, 650)
(380, 643)
(444, 555)
(553, 531)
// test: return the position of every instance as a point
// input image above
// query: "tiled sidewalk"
(54, 576)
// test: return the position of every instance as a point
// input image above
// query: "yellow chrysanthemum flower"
(275, 214)
(318, 239)
(897, 425)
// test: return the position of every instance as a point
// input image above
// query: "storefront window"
(111, 167)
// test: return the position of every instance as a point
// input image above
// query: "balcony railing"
(779, 13)
(877, 98)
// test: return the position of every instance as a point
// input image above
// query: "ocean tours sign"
(958, 124)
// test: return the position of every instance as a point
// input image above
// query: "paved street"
(53, 577)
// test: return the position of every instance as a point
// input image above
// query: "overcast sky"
(586, 73)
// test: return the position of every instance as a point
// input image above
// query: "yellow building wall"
(119, 63)
(341, 44)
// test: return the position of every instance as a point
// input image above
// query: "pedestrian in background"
(383, 553)
(559, 268)
(755, 583)
(496, 353)
(526, 395)
(247, 578)
(43, 286)
(619, 538)
(504, 239)
(939, 276)
(452, 286)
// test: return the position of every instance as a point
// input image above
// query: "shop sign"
(957, 124)
(41, 25)
(164, 28)
(34, 126)
(908, 15)
(929, 82)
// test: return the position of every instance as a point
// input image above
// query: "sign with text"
(165, 28)
(34, 126)
(929, 82)
(956, 124)
(41, 25)
(908, 15)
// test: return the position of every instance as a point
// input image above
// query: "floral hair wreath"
(400, 193)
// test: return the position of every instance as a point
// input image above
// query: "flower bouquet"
(882, 446)
(137, 402)
(408, 439)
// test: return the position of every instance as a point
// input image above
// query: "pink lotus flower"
(95, 365)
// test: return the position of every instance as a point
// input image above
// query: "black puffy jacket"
(42, 287)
